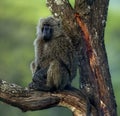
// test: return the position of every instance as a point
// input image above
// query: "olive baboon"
(54, 66)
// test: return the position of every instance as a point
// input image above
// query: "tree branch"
(26, 99)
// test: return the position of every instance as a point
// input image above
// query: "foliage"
(17, 31)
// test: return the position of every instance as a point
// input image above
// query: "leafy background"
(18, 21)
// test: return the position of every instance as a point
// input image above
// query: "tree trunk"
(85, 24)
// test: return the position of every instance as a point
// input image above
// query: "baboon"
(54, 66)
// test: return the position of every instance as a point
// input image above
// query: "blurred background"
(18, 19)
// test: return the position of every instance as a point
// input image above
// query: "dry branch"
(26, 99)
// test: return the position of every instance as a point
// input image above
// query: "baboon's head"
(49, 28)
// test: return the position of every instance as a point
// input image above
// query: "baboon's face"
(47, 32)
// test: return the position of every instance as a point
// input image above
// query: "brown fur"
(58, 55)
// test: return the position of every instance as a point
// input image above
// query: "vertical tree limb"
(95, 75)
(96, 21)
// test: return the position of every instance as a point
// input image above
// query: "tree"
(85, 24)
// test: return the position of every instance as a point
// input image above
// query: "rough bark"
(89, 16)
(26, 99)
